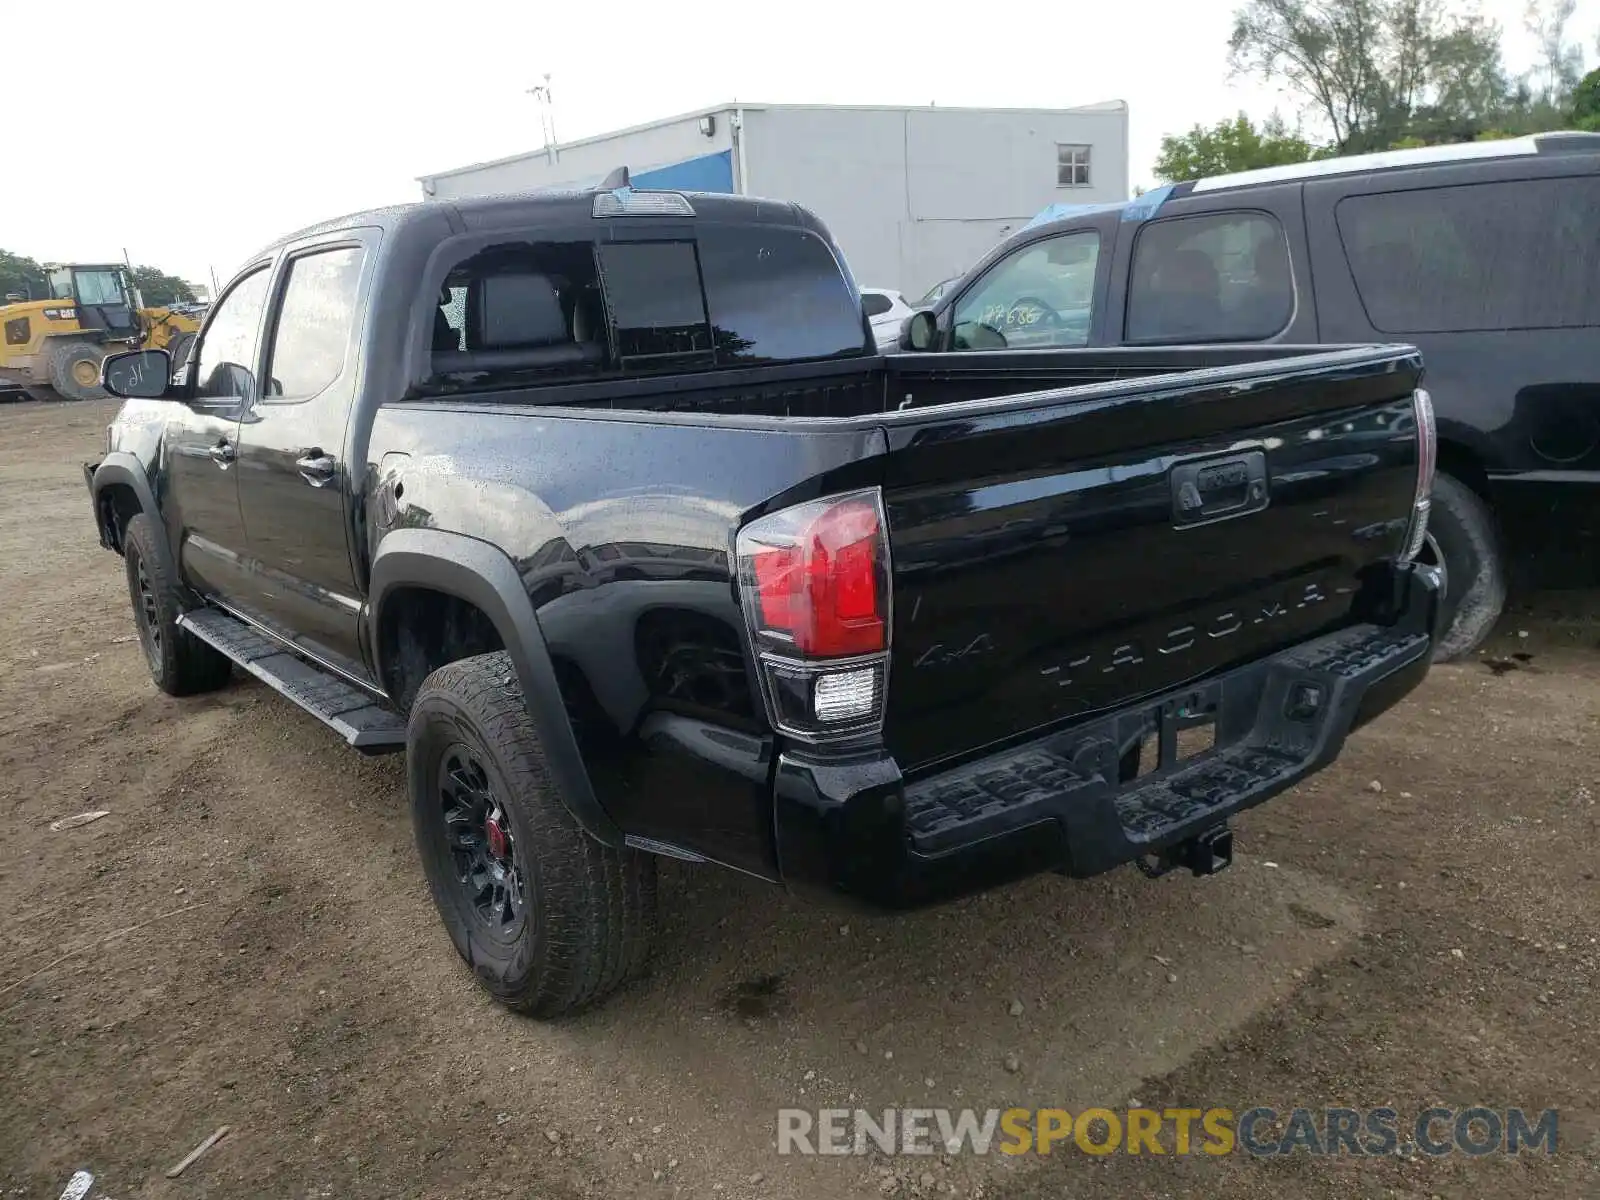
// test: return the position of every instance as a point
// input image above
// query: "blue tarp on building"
(708, 173)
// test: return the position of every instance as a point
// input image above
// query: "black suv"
(1486, 256)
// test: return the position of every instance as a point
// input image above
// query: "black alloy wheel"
(492, 878)
(148, 616)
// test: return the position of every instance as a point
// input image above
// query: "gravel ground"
(247, 941)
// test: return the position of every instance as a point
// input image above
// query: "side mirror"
(919, 331)
(137, 375)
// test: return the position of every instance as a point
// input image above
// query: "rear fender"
(483, 576)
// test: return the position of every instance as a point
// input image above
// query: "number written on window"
(1041, 296)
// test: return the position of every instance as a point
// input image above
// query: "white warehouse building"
(912, 195)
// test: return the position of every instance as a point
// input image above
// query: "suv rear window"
(1219, 277)
(1484, 256)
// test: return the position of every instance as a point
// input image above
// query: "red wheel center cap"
(499, 840)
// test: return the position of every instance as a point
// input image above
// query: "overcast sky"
(193, 140)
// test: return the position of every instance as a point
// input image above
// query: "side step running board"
(344, 708)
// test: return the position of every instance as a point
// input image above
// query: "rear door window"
(1039, 297)
(1488, 256)
(1212, 278)
(875, 303)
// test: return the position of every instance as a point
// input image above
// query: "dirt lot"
(246, 940)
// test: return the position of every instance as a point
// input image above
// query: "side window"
(876, 303)
(1487, 256)
(520, 310)
(450, 322)
(225, 362)
(1041, 296)
(314, 323)
(1215, 278)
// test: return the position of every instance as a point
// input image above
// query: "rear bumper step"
(344, 708)
(1261, 749)
(1066, 803)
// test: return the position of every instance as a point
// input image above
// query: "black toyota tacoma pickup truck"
(603, 508)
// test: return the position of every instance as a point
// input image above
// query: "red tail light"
(814, 581)
(818, 574)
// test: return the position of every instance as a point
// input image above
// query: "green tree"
(1376, 71)
(1228, 146)
(158, 288)
(1585, 102)
(1560, 64)
(20, 274)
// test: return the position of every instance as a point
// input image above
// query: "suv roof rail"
(1416, 156)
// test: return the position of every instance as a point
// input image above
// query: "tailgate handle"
(1212, 489)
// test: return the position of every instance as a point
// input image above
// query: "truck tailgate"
(1063, 553)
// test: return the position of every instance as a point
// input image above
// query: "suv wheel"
(180, 663)
(1462, 542)
(549, 919)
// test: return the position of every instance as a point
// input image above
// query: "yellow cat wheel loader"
(54, 346)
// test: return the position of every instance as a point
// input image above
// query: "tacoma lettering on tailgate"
(1214, 627)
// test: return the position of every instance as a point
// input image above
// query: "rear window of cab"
(580, 310)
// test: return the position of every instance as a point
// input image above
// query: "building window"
(1072, 165)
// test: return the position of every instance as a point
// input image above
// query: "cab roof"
(553, 206)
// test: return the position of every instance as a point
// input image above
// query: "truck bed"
(1042, 572)
(863, 387)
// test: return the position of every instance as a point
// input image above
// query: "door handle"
(222, 453)
(316, 468)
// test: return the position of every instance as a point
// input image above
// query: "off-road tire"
(64, 355)
(1462, 531)
(180, 663)
(589, 909)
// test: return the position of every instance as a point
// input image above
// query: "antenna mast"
(547, 116)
